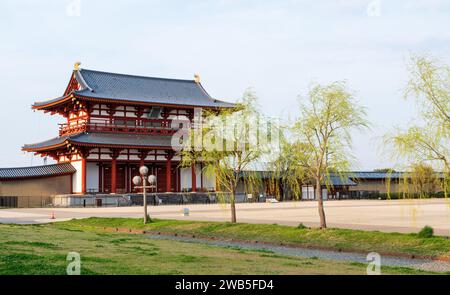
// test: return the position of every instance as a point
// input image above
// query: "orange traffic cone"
(52, 216)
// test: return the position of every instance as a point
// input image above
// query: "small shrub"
(426, 232)
(301, 226)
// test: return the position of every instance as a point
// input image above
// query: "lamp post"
(138, 180)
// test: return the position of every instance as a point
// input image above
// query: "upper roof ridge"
(136, 76)
(102, 85)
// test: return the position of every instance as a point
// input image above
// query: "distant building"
(350, 185)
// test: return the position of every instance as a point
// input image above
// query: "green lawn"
(42, 249)
(356, 240)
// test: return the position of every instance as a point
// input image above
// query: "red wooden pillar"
(113, 175)
(168, 175)
(194, 178)
(114, 156)
(83, 175)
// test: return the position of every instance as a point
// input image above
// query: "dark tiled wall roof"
(36, 171)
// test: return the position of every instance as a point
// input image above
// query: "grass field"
(356, 240)
(42, 249)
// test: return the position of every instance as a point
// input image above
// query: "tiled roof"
(336, 180)
(383, 175)
(48, 143)
(112, 86)
(105, 139)
(375, 175)
(36, 171)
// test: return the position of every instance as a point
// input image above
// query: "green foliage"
(357, 240)
(301, 226)
(229, 147)
(286, 170)
(426, 232)
(399, 195)
(138, 254)
(320, 140)
(384, 170)
(423, 179)
(323, 130)
(429, 83)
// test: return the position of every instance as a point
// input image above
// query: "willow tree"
(287, 171)
(322, 136)
(229, 143)
(424, 179)
(429, 84)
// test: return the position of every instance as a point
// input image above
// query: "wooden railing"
(149, 126)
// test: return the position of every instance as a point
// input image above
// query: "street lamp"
(138, 180)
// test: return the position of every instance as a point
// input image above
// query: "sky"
(278, 48)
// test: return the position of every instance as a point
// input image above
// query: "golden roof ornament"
(197, 78)
(76, 66)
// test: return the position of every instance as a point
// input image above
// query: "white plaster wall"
(185, 178)
(134, 157)
(91, 176)
(76, 177)
(209, 181)
(198, 173)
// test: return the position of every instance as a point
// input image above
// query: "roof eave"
(51, 103)
(44, 148)
(133, 102)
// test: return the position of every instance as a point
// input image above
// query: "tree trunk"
(323, 223)
(233, 206)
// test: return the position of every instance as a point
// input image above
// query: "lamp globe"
(143, 170)
(152, 179)
(137, 180)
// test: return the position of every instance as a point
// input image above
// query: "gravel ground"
(422, 264)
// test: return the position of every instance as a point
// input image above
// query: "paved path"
(388, 216)
(421, 264)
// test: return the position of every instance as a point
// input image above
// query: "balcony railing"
(149, 126)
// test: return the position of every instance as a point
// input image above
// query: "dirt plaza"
(382, 215)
